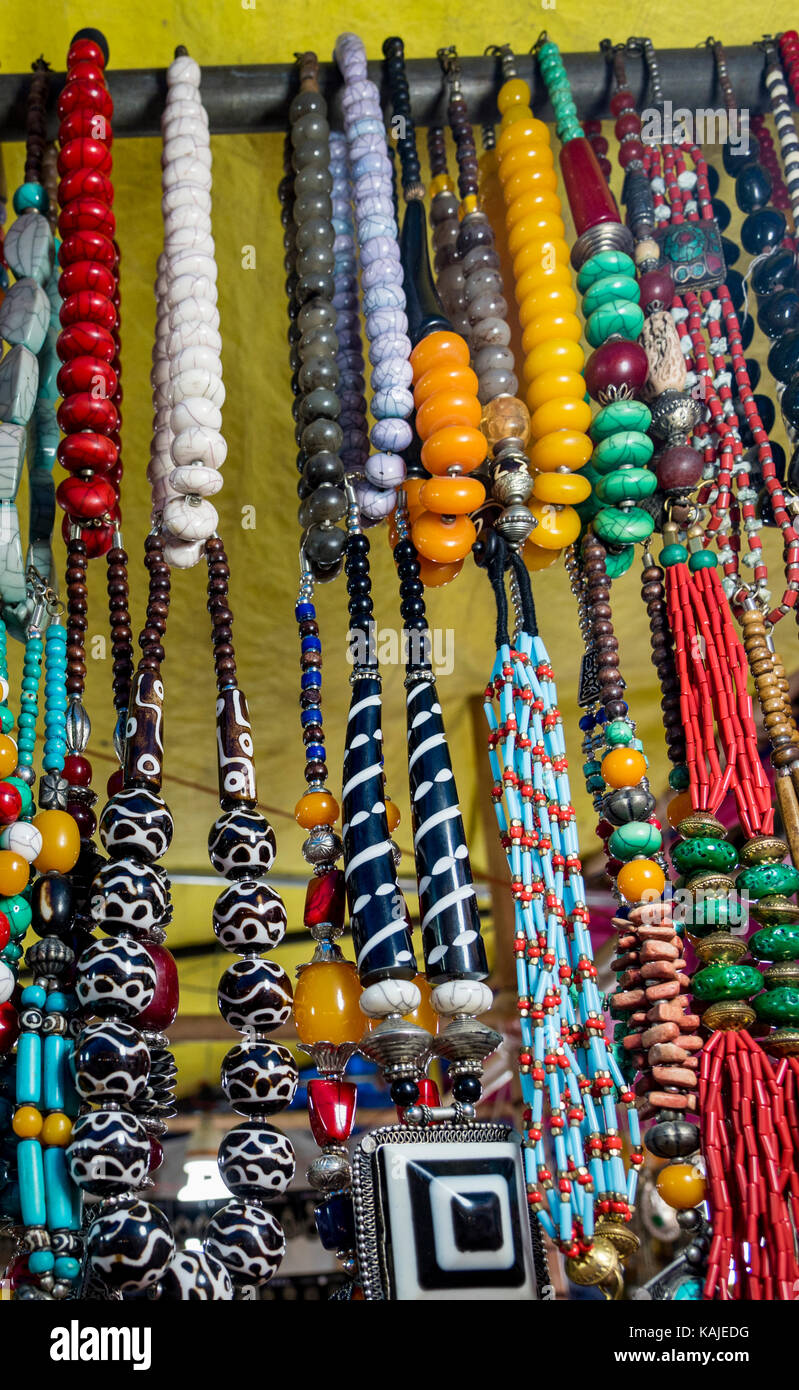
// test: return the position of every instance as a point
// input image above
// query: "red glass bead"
(630, 150)
(88, 307)
(87, 246)
(115, 782)
(156, 1155)
(87, 374)
(606, 166)
(84, 153)
(592, 128)
(9, 1026)
(85, 50)
(679, 468)
(85, 499)
(590, 199)
(86, 71)
(86, 95)
(324, 899)
(97, 539)
(81, 122)
(5, 930)
(428, 1092)
(84, 818)
(87, 215)
(331, 1109)
(86, 183)
(86, 340)
(628, 124)
(77, 770)
(614, 365)
(163, 1007)
(10, 804)
(657, 290)
(87, 275)
(85, 411)
(599, 145)
(78, 452)
(622, 100)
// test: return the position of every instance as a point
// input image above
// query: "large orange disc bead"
(623, 767)
(442, 540)
(316, 808)
(681, 1185)
(435, 576)
(436, 348)
(60, 842)
(457, 447)
(641, 880)
(326, 1003)
(14, 873)
(452, 496)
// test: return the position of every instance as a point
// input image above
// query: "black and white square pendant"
(442, 1213)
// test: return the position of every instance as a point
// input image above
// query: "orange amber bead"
(536, 558)
(455, 447)
(441, 540)
(506, 417)
(550, 296)
(60, 842)
(546, 256)
(546, 328)
(326, 1003)
(392, 814)
(563, 449)
(437, 348)
(514, 93)
(557, 526)
(448, 376)
(562, 413)
(453, 496)
(316, 808)
(623, 767)
(564, 489)
(681, 1185)
(447, 408)
(413, 487)
(535, 228)
(525, 181)
(8, 755)
(528, 130)
(425, 1016)
(27, 1122)
(14, 873)
(525, 156)
(552, 384)
(640, 880)
(435, 576)
(556, 354)
(57, 1129)
(678, 808)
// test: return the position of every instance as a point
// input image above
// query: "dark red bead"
(9, 1026)
(87, 374)
(324, 899)
(331, 1109)
(156, 1155)
(77, 770)
(10, 804)
(628, 124)
(115, 782)
(630, 150)
(616, 365)
(163, 1007)
(590, 199)
(622, 100)
(78, 452)
(5, 930)
(679, 468)
(657, 290)
(84, 818)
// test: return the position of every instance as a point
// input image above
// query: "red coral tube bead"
(590, 199)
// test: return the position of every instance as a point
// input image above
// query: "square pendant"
(441, 1213)
(692, 253)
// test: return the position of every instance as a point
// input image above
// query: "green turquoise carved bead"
(704, 852)
(764, 879)
(619, 561)
(776, 943)
(624, 447)
(617, 317)
(673, 555)
(702, 560)
(726, 982)
(602, 264)
(626, 485)
(623, 527)
(779, 1005)
(619, 731)
(609, 289)
(708, 914)
(620, 415)
(637, 837)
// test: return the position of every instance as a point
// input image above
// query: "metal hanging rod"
(256, 97)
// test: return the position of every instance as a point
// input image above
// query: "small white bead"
(199, 445)
(462, 997)
(390, 997)
(195, 410)
(192, 479)
(23, 839)
(189, 520)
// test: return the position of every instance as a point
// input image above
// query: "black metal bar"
(256, 97)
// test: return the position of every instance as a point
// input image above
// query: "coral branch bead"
(623, 767)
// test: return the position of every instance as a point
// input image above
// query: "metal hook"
(543, 38)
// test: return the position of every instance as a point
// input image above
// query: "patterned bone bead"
(248, 1240)
(235, 749)
(112, 1062)
(130, 1246)
(241, 844)
(256, 1161)
(194, 1276)
(130, 897)
(249, 917)
(116, 977)
(259, 1079)
(136, 823)
(255, 995)
(108, 1152)
(660, 341)
(144, 736)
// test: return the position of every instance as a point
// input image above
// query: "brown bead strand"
(653, 592)
(77, 607)
(465, 148)
(437, 150)
(606, 644)
(121, 630)
(221, 615)
(158, 593)
(36, 122)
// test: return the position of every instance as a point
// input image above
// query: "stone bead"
(130, 1246)
(726, 982)
(766, 879)
(617, 317)
(620, 415)
(615, 370)
(29, 248)
(624, 527)
(778, 1006)
(25, 315)
(256, 1161)
(624, 447)
(679, 468)
(775, 943)
(626, 485)
(705, 852)
(633, 839)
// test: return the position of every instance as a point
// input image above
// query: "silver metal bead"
(515, 523)
(330, 1171)
(53, 791)
(78, 727)
(674, 414)
(322, 846)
